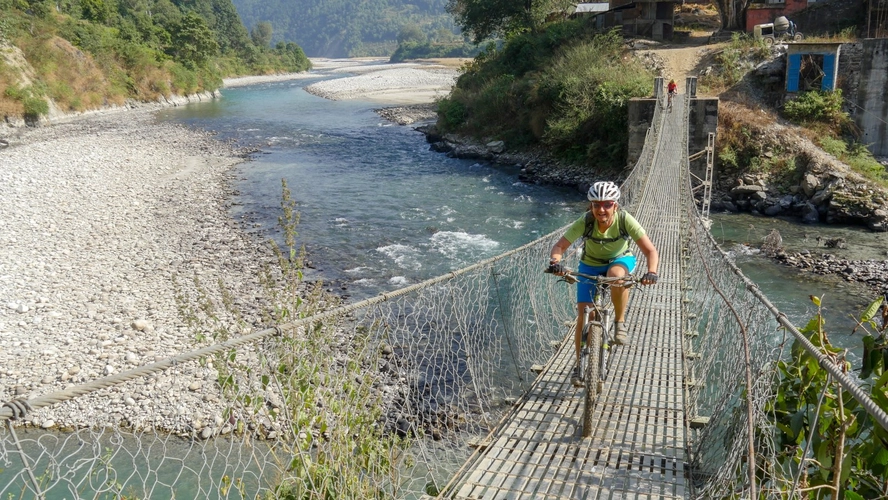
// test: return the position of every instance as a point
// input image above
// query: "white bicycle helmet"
(603, 191)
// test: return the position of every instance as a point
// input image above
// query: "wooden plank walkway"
(637, 449)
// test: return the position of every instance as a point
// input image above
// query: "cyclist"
(606, 230)
(671, 90)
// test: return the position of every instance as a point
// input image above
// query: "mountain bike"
(669, 97)
(598, 334)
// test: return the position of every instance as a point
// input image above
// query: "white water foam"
(463, 247)
(505, 222)
(399, 281)
(404, 256)
(358, 270)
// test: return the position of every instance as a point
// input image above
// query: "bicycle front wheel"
(592, 333)
(606, 339)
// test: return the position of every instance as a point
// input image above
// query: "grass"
(332, 442)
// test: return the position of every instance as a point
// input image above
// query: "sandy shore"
(372, 79)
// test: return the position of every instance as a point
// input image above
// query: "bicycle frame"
(598, 334)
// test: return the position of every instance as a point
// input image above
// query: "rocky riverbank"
(108, 219)
(873, 273)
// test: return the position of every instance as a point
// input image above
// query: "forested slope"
(340, 28)
(84, 54)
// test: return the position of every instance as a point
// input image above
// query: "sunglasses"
(607, 205)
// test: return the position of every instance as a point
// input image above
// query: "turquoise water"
(379, 210)
(789, 288)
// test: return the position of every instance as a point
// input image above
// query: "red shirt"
(672, 86)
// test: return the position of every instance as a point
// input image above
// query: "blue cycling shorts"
(586, 289)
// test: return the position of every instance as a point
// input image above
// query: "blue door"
(793, 67)
(829, 68)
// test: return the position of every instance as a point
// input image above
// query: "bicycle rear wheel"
(592, 333)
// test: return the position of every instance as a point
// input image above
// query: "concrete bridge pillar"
(691, 86)
(658, 87)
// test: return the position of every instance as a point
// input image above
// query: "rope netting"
(374, 399)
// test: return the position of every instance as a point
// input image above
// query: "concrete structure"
(863, 70)
(812, 66)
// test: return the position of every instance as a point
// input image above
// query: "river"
(379, 210)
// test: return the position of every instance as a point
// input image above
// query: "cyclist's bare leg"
(619, 295)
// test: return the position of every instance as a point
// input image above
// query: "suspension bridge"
(458, 387)
(637, 447)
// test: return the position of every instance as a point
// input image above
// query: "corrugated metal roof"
(592, 7)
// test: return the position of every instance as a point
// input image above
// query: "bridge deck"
(637, 449)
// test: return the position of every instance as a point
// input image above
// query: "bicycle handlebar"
(571, 277)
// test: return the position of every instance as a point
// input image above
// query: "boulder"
(496, 147)
(810, 214)
(809, 184)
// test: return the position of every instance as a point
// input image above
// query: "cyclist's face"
(603, 210)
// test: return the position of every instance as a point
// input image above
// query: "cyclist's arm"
(558, 250)
(650, 252)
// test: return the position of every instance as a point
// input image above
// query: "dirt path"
(679, 61)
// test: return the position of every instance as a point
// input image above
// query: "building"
(653, 19)
(768, 10)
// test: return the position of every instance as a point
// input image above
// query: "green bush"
(32, 99)
(559, 87)
(451, 113)
(817, 106)
(35, 107)
(590, 99)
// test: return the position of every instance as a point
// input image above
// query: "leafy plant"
(825, 436)
(818, 106)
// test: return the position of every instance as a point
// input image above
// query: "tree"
(95, 10)
(732, 13)
(482, 19)
(261, 34)
(411, 33)
(194, 42)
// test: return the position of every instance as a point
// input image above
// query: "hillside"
(82, 56)
(338, 28)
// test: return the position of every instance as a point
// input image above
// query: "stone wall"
(863, 70)
(702, 119)
(641, 112)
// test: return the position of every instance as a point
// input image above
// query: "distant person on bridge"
(606, 231)
(671, 90)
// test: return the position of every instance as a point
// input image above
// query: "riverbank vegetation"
(84, 55)
(564, 87)
(316, 387)
(826, 441)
